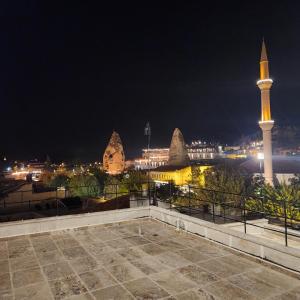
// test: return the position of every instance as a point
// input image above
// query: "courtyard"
(138, 259)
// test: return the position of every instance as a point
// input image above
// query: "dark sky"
(72, 71)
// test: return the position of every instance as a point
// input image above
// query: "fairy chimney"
(178, 155)
(114, 158)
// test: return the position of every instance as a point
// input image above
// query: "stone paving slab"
(138, 259)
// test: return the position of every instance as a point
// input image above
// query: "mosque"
(179, 168)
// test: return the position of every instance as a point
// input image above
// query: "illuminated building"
(266, 123)
(152, 158)
(179, 175)
(199, 150)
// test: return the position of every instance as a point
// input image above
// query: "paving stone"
(22, 263)
(4, 267)
(219, 268)
(212, 251)
(132, 253)
(84, 264)
(86, 296)
(148, 265)
(144, 288)
(110, 258)
(97, 279)
(103, 235)
(193, 255)
(20, 248)
(5, 284)
(153, 249)
(171, 245)
(119, 243)
(136, 240)
(44, 245)
(3, 250)
(115, 292)
(125, 272)
(97, 248)
(293, 294)
(73, 253)
(275, 278)
(172, 260)
(254, 286)
(26, 277)
(198, 294)
(198, 275)
(67, 243)
(225, 290)
(57, 270)
(67, 287)
(39, 291)
(172, 282)
(50, 257)
(6, 295)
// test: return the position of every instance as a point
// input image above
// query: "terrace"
(130, 256)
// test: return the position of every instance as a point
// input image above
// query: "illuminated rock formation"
(114, 158)
(178, 155)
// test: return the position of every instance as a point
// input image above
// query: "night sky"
(72, 72)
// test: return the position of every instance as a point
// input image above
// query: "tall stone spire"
(178, 155)
(114, 158)
(266, 123)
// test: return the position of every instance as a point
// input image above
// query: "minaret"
(266, 123)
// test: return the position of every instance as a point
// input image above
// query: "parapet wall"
(254, 245)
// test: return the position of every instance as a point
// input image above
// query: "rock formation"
(178, 155)
(114, 158)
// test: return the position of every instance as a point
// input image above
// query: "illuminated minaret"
(266, 123)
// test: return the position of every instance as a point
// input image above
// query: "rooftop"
(138, 259)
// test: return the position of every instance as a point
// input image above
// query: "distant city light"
(8, 169)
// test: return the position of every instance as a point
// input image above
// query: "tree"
(134, 180)
(277, 201)
(224, 184)
(84, 186)
(60, 180)
(100, 175)
(114, 187)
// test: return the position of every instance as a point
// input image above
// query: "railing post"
(214, 207)
(154, 196)
(190, 211)
(244, 214)
(116, 190)
(149, 192)
(56, 202)
(285, 224)
(170, 194)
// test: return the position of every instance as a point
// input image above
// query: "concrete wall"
(254, 245)
(70, 221)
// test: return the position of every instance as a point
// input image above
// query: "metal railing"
(211, 205)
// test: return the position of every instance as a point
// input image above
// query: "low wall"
(254, 245)
(10, 229)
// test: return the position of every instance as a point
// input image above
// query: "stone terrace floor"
(139, 259)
